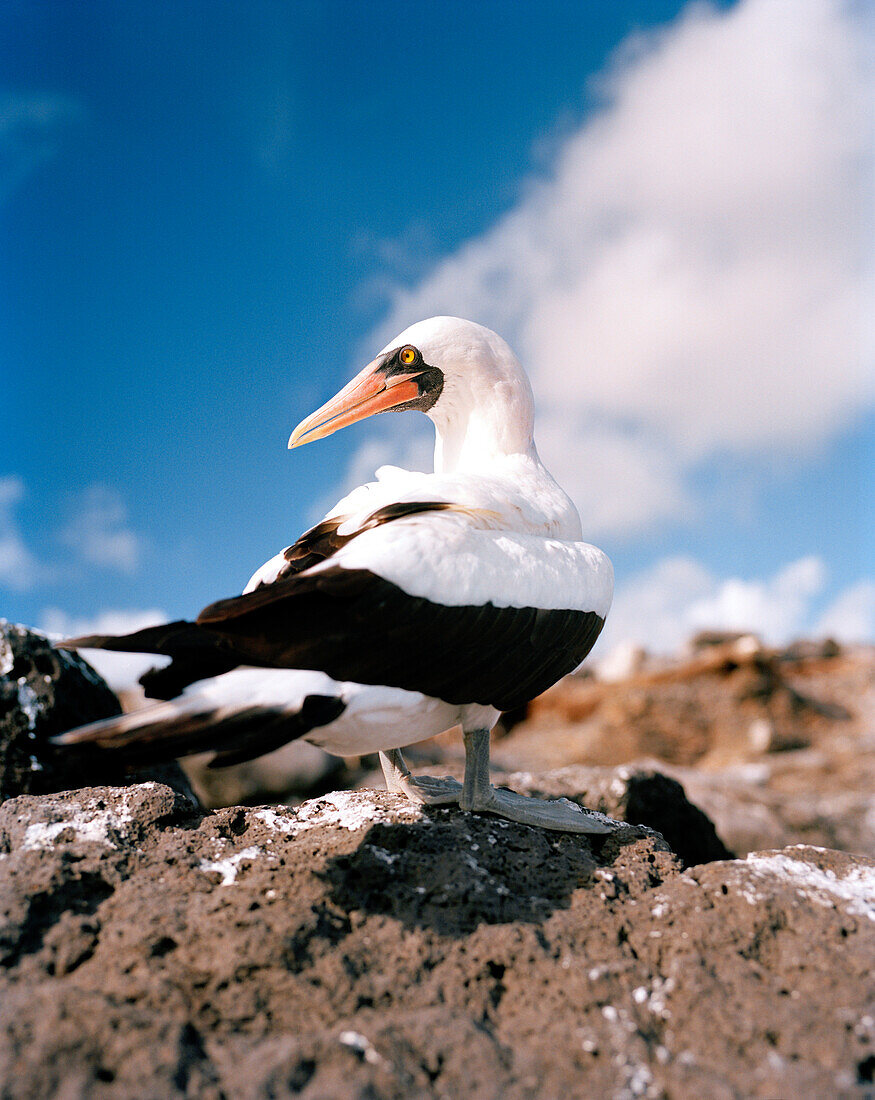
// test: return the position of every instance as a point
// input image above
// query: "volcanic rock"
(357, 946)
(729, 698)
(43, 692)
(637, 795)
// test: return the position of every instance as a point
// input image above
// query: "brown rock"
(727, 730)
(708, 639)
(806, 649)
(357, 947)
(753, 806)
(730, 699)
(638, 795)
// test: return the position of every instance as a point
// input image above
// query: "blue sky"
(212, 214)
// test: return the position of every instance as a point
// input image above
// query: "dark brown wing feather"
(357, 626)
(354, 625)
(197, 654)
(322, 541)
(168, 638)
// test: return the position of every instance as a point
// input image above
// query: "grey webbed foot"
(478, 795)
(559, 814)
(427, 790)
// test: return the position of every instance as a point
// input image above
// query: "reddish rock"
(357, 947)
(732, 699)
(736, 721)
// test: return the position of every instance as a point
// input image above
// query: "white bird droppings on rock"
(361, 1045)
(229, 866)
(276, 821)
(855, 890)
(351, 810)
(89, 822)
(7, 658)
(29, 703)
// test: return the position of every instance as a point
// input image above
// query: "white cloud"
(622, 482)
(19, 568)
(689, 280)
(651, 609)
(662, 607)
(120, 670)
(98, 531)
(851, 615)
(778, 607)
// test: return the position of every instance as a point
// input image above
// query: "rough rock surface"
(639, 795)
(45, 691)
(782, 743)
(808, 799)
(358, 947)
(635, 794)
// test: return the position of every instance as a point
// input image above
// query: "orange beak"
(368, 393)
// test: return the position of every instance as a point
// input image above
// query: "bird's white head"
(463, 376)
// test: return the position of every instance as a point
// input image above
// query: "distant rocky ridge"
(777, 746)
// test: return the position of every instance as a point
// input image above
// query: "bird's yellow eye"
(407, 356)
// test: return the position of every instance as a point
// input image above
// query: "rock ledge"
(357, 946)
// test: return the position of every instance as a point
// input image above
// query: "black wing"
(354, 625)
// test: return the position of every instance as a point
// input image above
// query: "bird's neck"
(479, 437)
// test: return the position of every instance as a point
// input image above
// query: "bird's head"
(460, 374)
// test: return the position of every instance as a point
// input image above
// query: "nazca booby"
(420, 602)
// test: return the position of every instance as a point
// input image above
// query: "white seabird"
(420, 602)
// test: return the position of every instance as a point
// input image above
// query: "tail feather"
(182, 672)
(161, 732)
(188, 725)
(265, 736)
(168, 638)
(197, 654)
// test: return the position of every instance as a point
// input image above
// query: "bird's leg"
(426, 789)
(479, 794)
